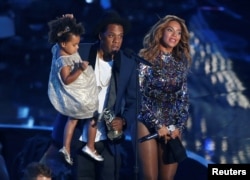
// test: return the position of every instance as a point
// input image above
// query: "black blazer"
(124, 69)
(125, 72)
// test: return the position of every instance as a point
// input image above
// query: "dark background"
(218, 128)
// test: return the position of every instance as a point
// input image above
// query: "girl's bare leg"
(68, 133)
(91, 135)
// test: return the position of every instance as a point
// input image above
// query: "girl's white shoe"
(92, 154)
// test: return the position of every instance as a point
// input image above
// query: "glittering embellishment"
(67, 29)
(165, 56)
(164, 92)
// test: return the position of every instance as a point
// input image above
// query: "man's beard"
(109, 56)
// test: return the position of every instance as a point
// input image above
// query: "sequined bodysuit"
(164, 93)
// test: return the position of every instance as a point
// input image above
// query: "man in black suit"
(116, 78)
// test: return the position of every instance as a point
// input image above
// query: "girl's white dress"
(78, 99)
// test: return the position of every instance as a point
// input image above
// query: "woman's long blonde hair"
(152, 40)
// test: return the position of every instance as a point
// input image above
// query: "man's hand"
(117, 124)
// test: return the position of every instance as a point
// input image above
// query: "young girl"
(72, 87)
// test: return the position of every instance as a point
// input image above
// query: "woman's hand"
(176, 133)
(163, 132)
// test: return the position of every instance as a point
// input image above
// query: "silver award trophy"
(108, 116)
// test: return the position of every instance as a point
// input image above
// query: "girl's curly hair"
(61, 29)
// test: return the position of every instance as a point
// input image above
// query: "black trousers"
(86, 168)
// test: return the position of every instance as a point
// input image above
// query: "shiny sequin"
(164, 92)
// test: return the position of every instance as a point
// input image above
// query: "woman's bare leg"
(148, 157)
(166, 171)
